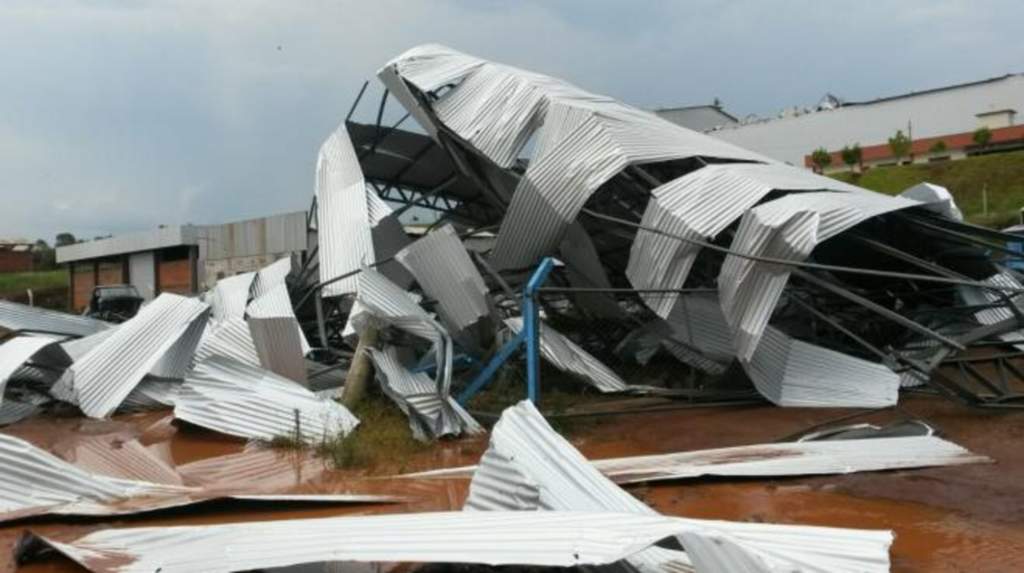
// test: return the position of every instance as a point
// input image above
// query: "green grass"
(15, 284)
(383, 440)
(1001, 173)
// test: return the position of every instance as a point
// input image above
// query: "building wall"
(928, 114)
(83, 279)
(111, 272)
(15, 261)
(142, 273)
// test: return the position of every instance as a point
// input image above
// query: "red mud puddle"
(959, 528)
(928, 539)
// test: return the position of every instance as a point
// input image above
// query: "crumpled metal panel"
(537, 463)
(791, 372)
(21, 318)
(787, 228)
(935, 198)
(35, 482)
(584, 268)
(79, 347)
(430, 414)
(584, 139)
(565, 355)
(229, 297)
(151, 394)
(102, 378)
(792, 459)
(383, 301)
(279, 347)
(230, 338)
(16, 352)
(31, 479)
(271, 276)
(347, 210)
(445, 272)
(699, 206)
(553, 539)
(13, 411)
(240, 400)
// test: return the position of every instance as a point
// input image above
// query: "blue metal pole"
(531, 325)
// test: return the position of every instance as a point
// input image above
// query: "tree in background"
(821, 159)
(900, 145)
(982, 136)
(852, 155)
(938, 147)
(64, 239)
(44, 258)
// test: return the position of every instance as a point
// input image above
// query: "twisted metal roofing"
(107, 373)
(16, 352)
(241, 400)
(528, 463)
(565, 355)
(21, 318)
(583, 139)
(445, 272)
(430, 414)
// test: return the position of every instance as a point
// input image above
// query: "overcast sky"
(119, 115)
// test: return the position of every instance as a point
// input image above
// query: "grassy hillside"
(1002, 173)
(49, 288)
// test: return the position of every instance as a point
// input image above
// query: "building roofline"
(717, 108)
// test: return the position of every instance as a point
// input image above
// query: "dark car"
(114, 303)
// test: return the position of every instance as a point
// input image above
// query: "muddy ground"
(956, 519)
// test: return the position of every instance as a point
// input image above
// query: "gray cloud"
(121, 115)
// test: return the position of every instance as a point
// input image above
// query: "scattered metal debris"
(34, 482)
(241, 400)
(529, 467)
(166, 329)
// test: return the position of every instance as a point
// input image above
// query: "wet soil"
(947, 520)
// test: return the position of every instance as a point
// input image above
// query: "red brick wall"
(84, 281)
(111, 273)
(15, 261)
(175, 276)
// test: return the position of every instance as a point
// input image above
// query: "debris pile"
(586, 231)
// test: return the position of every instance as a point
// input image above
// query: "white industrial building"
(949, 113)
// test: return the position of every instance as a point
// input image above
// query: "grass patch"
(1002, 174)
(15, 284)
(381, 442)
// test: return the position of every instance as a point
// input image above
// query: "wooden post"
(361, 369)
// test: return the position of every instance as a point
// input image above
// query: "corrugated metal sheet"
(787, 228)
(792, 459)
(102, 378)
(557, 539)
(583, 264)
(430, 414)
(241, 400)
(230, 338)
(278, 344)
(16, 352)
(34, 482)
(79, 347)
(565, 355)
(271, 276)
(445, 272)
(229, 297)
(699, 206)
(150, 394)
(383, 301)
(277, 303)
(584, 139)
(528, 462)
(21, 318)
(13, 411)
(791, 372)
(346, 209)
